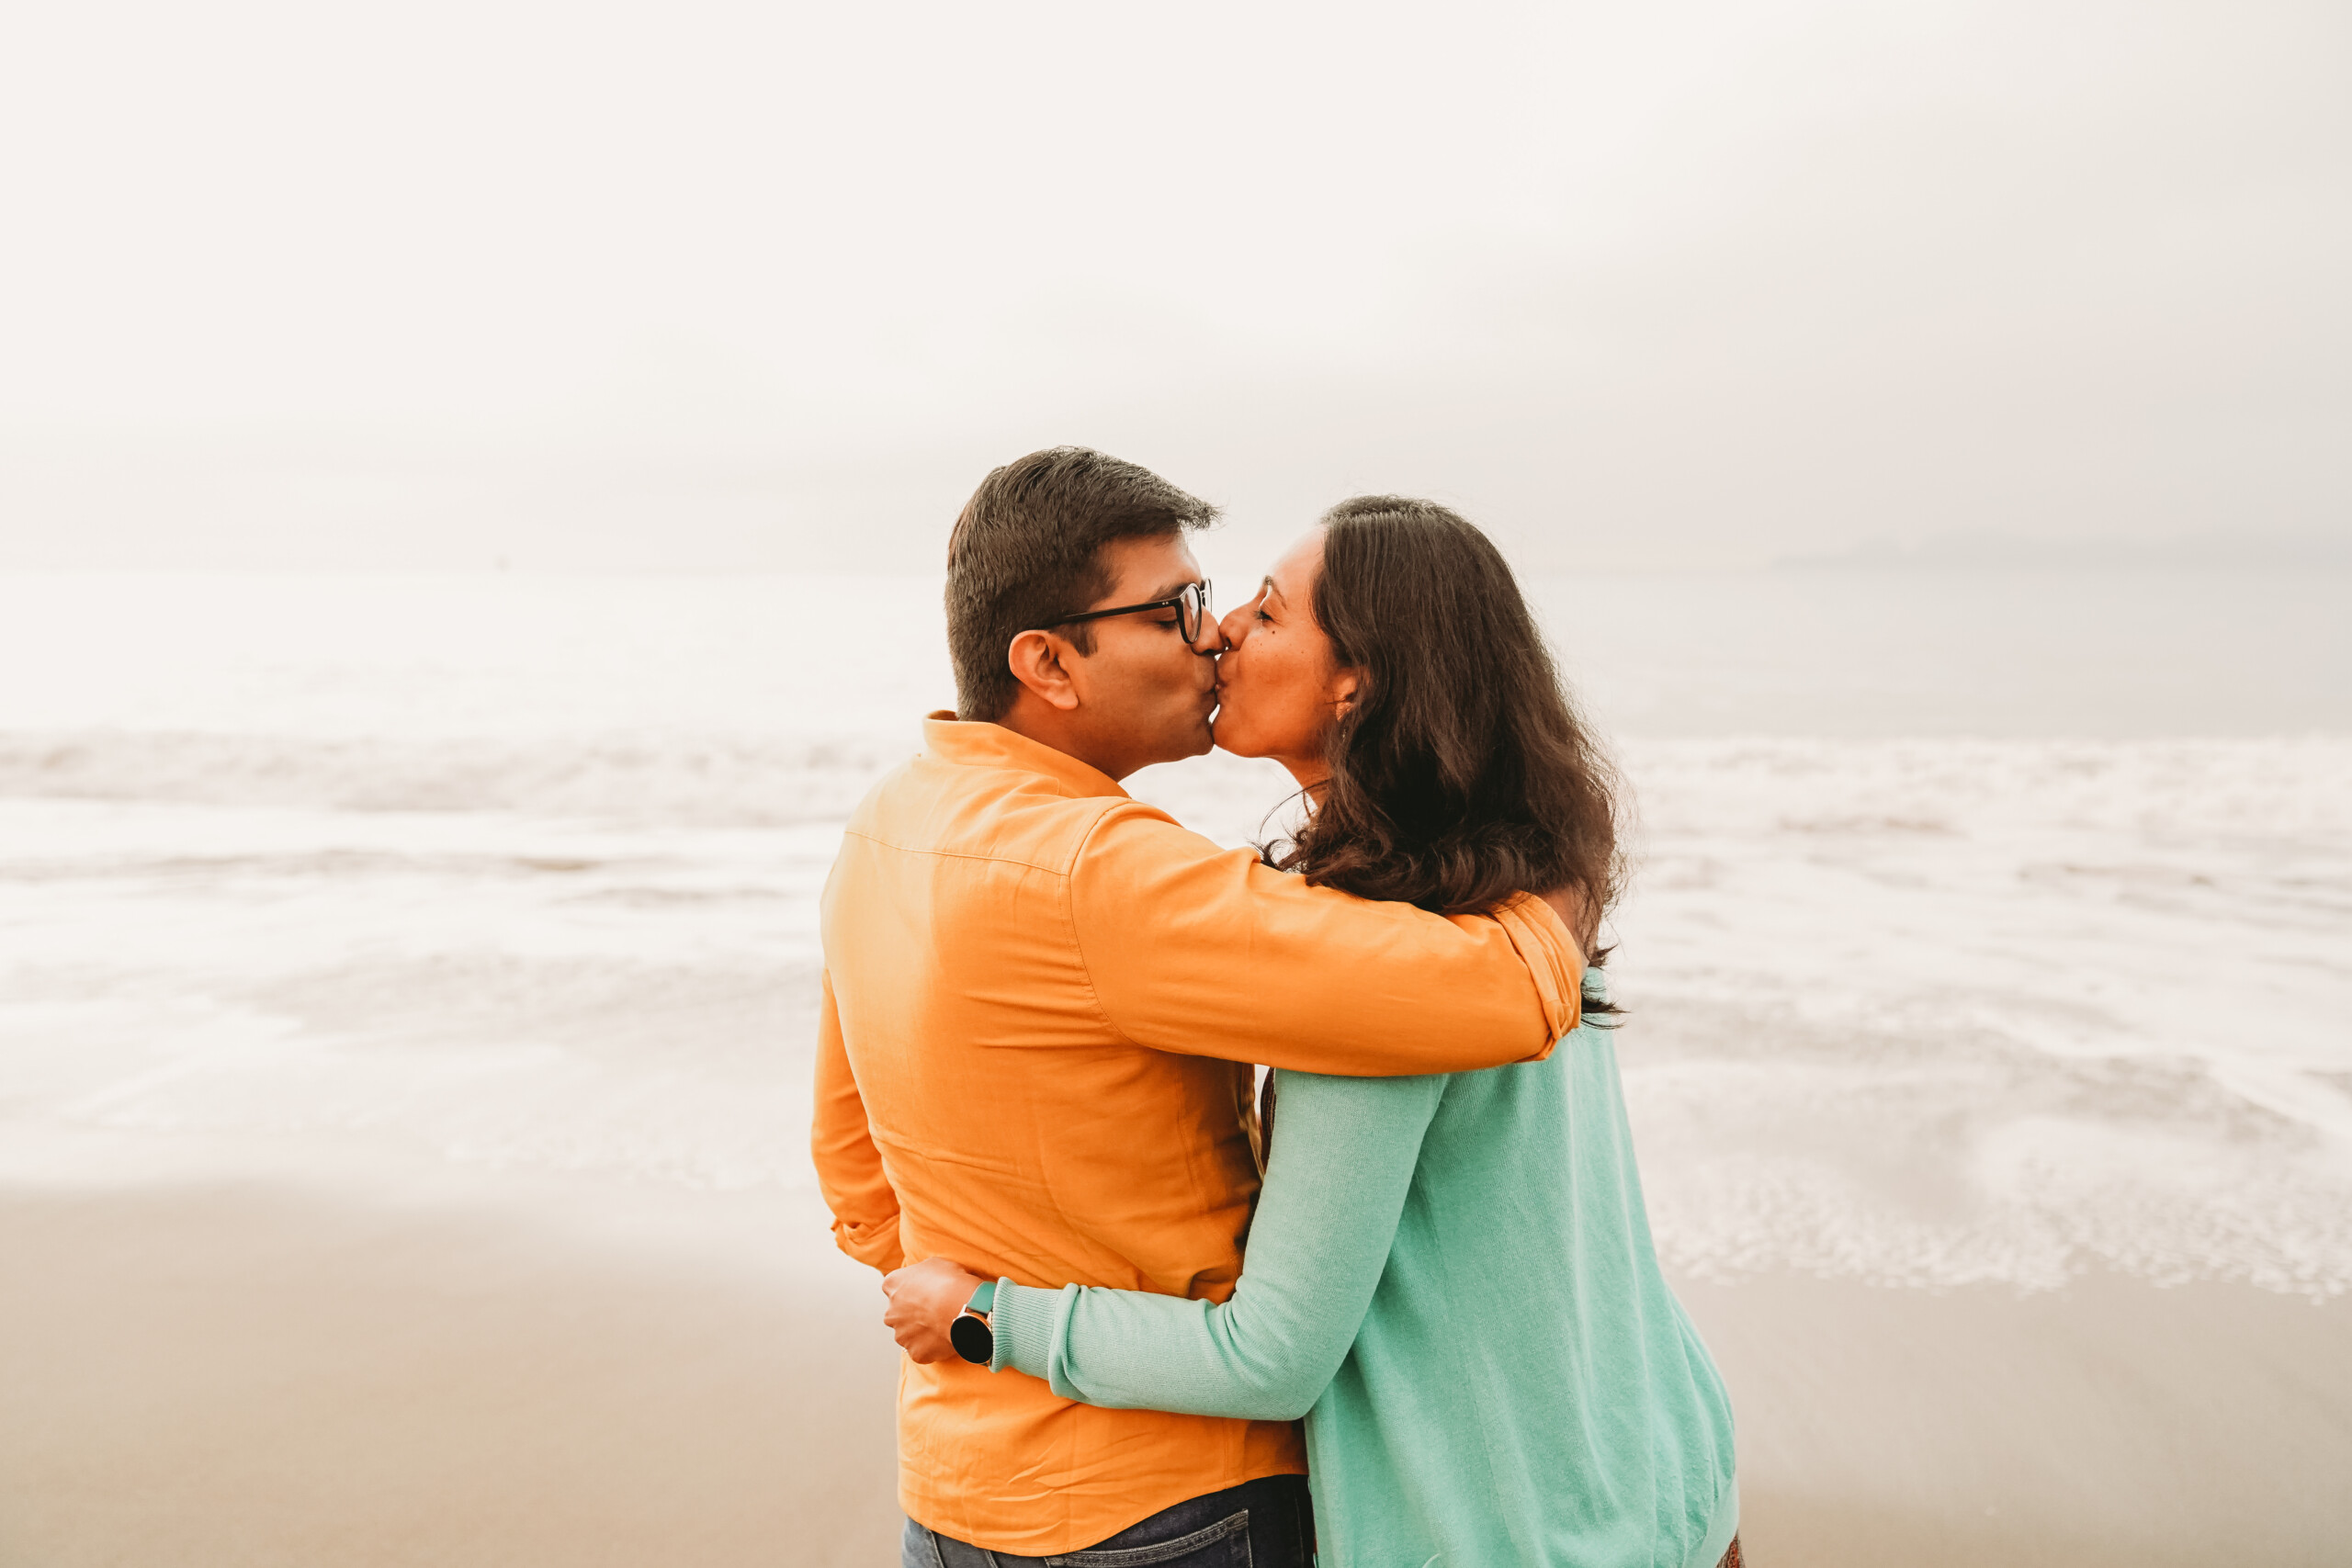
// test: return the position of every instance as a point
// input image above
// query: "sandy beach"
(245, 1376)
(2110, 1422)
(248, 1377)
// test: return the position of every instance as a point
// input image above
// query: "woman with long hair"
(1450, 1277)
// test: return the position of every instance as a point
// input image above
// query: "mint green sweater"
(1452, 1278)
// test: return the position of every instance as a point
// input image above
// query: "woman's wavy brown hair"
(1462, 773)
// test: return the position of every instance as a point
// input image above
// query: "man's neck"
(1049, 727)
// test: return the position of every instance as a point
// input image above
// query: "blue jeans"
(1266, 1523)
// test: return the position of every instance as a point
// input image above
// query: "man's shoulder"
(924, 806)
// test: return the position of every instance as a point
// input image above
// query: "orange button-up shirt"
(1039, 997)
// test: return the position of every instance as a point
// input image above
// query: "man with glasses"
(1040, 1004)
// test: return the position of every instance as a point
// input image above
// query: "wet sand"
(2110, 1423)
(242, 1377)
(216, 1378)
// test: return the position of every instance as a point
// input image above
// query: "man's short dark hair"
(1028, 551)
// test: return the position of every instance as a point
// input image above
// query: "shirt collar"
(978, 745)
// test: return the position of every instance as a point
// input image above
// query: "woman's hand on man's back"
(925, 1299)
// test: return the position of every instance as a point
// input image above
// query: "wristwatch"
(971, 1334)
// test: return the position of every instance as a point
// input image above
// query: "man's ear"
(1035, 660)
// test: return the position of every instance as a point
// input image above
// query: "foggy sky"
(711, 286)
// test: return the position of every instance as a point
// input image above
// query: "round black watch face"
(972, 1339)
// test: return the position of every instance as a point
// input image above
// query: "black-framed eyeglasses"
(1191, 603)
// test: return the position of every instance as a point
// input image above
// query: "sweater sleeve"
(1326, 1220)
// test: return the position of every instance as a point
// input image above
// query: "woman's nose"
(1233, 627)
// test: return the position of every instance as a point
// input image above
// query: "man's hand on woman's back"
(1568, 903)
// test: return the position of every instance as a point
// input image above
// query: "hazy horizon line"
(1992, 549)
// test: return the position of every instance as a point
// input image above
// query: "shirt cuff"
(1023, 1322)
(1554, 961)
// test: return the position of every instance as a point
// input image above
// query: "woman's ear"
(1035, 659)
(1344, 686)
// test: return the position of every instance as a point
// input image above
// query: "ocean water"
(1979, 928)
